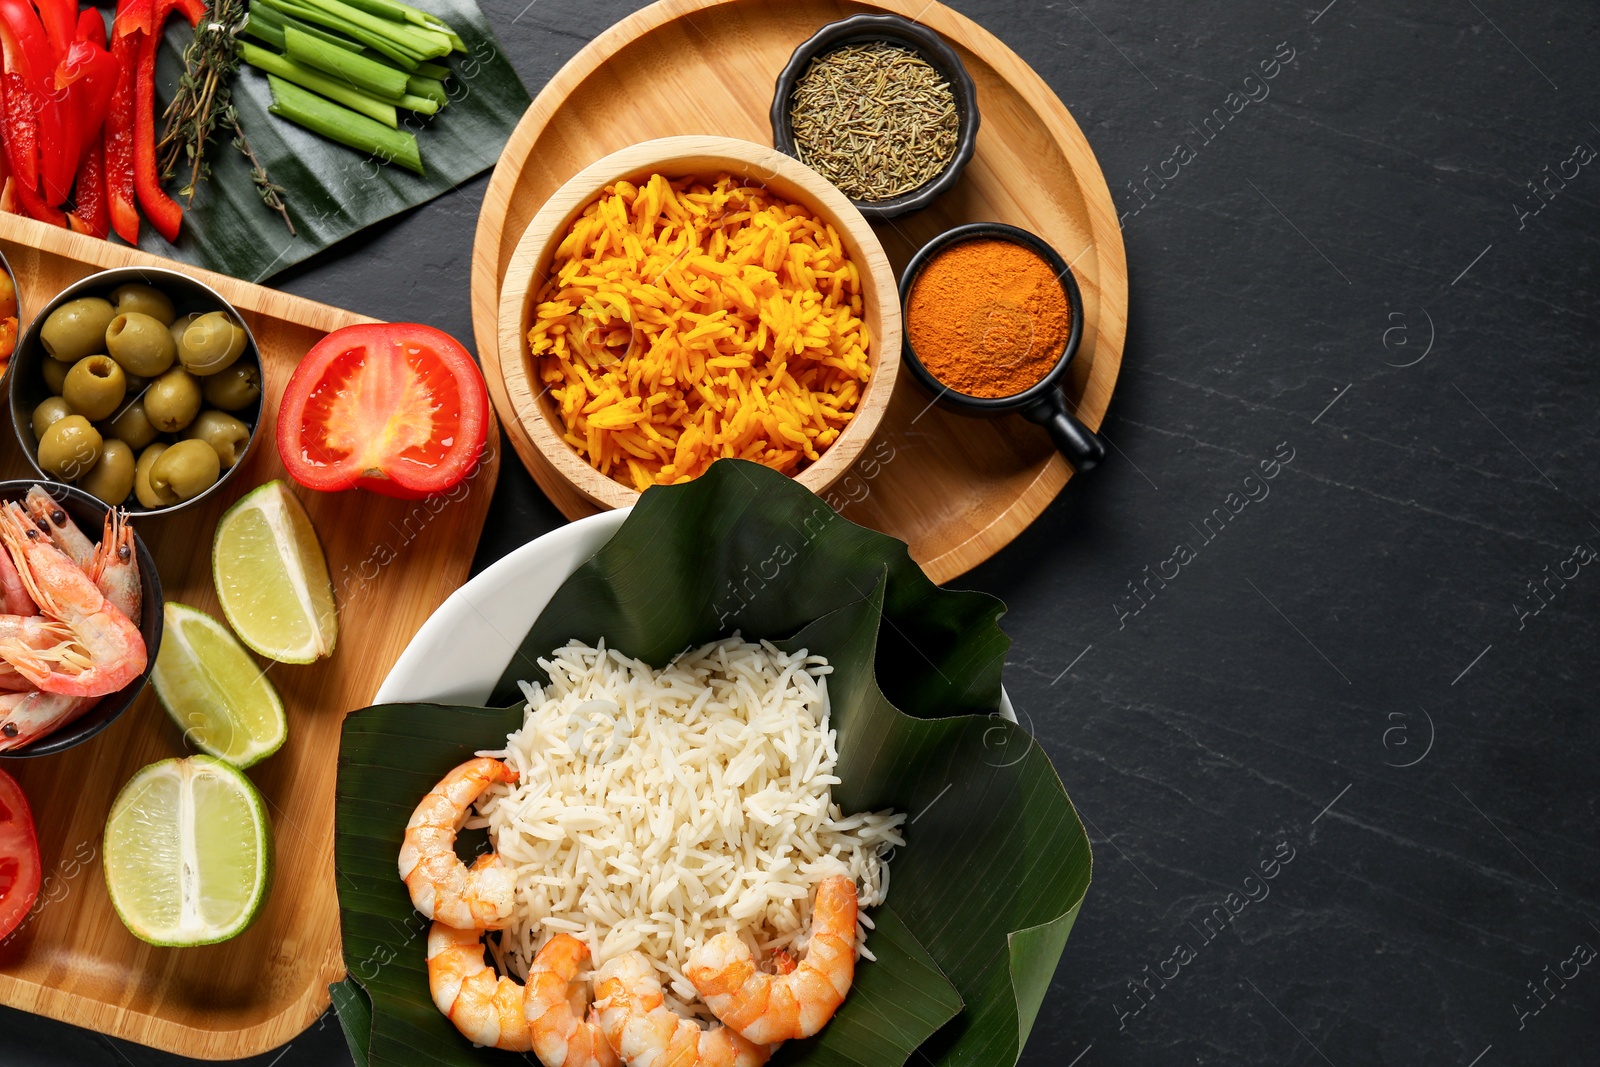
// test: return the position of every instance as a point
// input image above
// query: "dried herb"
(203, 105)
(877, 120)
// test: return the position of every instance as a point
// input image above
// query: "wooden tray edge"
(142, 1028)
(105, 255)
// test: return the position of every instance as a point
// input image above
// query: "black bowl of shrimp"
(80, 617)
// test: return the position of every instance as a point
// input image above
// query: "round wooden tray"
(956, 489)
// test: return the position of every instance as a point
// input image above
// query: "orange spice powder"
(988, 318)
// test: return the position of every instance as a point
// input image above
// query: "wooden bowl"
(515, 389)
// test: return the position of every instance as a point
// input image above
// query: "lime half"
(272, 578)
(188, 852)
(214, 691)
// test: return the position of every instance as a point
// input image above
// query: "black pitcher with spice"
(993, 318)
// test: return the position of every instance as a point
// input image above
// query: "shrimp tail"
(441, 887)
(561, 1037)
(486, 1009)
(767, 1008)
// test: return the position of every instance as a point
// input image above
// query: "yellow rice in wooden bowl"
(682, 314)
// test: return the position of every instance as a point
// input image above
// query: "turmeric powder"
(988, 318)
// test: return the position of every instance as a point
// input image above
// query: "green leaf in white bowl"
(996, 861)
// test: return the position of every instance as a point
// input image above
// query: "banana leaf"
(333, 191)
(996, 864)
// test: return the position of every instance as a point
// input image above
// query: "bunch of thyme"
(204, 103)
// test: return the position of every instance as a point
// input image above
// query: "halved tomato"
(397, 408)
(19, 856)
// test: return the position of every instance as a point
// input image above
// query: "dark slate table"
(1337, 758)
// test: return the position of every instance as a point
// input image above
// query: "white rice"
(656, 809)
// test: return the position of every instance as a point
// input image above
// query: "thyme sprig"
(203, 104)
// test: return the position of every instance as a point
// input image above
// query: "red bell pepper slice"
(119, 132)
(20, 110)
(88, 75)
(90, 215)
(91, 26)
(162, 211)
(60, 19)
(133, 16)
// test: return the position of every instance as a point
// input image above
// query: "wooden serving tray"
(957, 489)
(393, 562)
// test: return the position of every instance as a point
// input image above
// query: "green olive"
(55, 375)
(77, 329)
(95, 387)
(48, 414)
(187, 469)
(112, 478)
(132, 425)
(69, 448)
(172, 401)
(233, 389)
(145, 299)
(142, 345)
(211, 343)
(224, 433)
(147, 493)
(180, 324)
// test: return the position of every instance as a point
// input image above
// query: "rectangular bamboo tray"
(393, 563)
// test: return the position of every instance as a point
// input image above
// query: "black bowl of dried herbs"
(882, 108)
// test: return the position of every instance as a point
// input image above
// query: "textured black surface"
(1363, 615)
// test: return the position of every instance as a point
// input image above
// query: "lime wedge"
(188, 852)
(272, 578)
(214, 691)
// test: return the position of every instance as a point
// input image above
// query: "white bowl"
(460, 653)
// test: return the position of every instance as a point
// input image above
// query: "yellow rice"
(686, 321)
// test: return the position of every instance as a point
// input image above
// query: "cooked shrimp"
(766, 1008)
(14, 596)
(562, 1037)
(33, 714)
(77, 628)
(647, 1033)
(47, 512)
(26, 717)
(441, 886)
(484, 1007)
(114, 566)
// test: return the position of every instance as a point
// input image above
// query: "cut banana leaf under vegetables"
(333, 190)
(996, 862)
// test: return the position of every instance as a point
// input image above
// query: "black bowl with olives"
(141, 386)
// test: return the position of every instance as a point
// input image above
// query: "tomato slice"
(397, 408)
(19, 856)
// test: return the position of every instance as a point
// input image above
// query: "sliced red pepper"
(120, 197)
(60, 19)
(162, 211)
(193, 10)
(133, 16)
(21, 111)
(91, 26)
(87, 75)
(90, 215)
